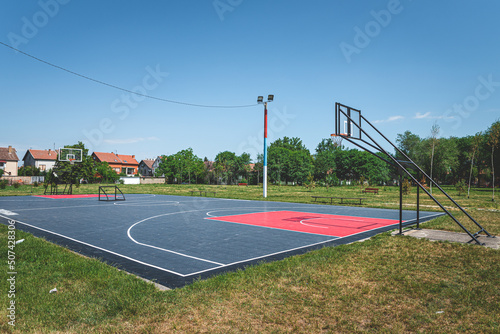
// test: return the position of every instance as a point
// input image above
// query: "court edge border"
(168, 278)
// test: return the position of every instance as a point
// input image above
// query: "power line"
(123, 89)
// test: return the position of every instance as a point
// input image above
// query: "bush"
(3, 184)
(461, 187)
(16, 185)
(332, 180)
(406, 187)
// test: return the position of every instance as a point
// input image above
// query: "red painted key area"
(324, 224)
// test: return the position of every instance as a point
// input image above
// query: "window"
(42, 167)
(2, 165)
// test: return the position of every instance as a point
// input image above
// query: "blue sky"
(406, 64)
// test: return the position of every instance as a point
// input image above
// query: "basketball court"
(174, 240)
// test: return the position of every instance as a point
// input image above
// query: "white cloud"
(428, 115)
(129, 140)
(390, 119)
(421, 116)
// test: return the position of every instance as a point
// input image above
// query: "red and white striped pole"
(260, 99)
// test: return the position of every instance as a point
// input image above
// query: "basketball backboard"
(70, 154)
(347, 121)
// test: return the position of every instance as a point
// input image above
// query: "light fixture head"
(260, 99)
(270, 98)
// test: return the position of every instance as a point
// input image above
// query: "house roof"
(149, 163)
(8, 156)
(42, 154)
(112, 158)
(128, 159)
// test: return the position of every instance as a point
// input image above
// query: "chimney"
(10, 149)
(49, 152)
(133, 157)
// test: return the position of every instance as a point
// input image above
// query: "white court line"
(306, 246)
(61, 207)
(206, 270)
(141, 203)
(163, 249)
(302, 222)
(97, 247)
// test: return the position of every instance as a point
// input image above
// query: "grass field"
(385, 284)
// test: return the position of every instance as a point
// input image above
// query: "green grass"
(385, 284)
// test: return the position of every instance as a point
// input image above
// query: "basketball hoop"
(72, 161)
(337, 139)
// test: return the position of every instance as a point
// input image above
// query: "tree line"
(470, 159)
(447, 160)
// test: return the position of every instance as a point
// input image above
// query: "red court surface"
(68, 196)
(315, 223)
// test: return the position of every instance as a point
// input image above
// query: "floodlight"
(260, 99)
(270, 98)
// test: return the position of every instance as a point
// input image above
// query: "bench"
(202, 192)
(370, 190)
(341, 199)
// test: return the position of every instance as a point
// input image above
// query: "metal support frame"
(398, 164)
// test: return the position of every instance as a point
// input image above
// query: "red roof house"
(43, 159)
(120, 163)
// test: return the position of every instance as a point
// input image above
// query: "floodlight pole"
(265, 151)
(260, 100)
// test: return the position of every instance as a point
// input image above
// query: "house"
(146, 167)
(42, 159)
(8, 160)
(120, 163)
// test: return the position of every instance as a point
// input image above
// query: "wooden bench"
(341, 199)
(370, 190)
(202, 192)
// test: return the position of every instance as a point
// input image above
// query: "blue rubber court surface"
(174, 240)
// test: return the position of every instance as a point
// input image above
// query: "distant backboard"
(70, 154)
(347, 121)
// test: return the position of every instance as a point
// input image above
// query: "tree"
(434, 142)
(30, 171)
(289, 161)
(324, 161)
(258, 169)
(475, 145)
(493, 140)
(231, 167)
(104, 173)
(409, 144)
(65, 172)
(181, 166)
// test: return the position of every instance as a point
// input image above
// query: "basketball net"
(337, 140)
